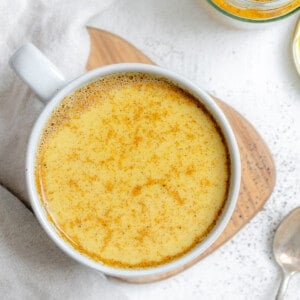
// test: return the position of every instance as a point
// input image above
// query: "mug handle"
(36, 70)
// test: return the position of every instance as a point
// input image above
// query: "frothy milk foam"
(132, 170)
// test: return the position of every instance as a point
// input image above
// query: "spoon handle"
(283, 285)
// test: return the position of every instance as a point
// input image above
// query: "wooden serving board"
(258, 170)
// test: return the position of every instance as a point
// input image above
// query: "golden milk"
(132, 171)
(248, 11)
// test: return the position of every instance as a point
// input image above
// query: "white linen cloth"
(251, 70)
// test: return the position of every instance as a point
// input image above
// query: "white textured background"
(250, 70)
(253, 72)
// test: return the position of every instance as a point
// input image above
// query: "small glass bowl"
(256, 11)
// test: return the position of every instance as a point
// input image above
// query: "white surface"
(251, 70)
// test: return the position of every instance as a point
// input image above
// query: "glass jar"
(256, 11)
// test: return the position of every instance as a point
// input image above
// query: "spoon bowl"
(286, 248)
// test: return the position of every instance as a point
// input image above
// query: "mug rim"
(199, 94)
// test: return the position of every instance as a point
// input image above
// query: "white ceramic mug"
(48, 83)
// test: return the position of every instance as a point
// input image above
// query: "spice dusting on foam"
(132, 171)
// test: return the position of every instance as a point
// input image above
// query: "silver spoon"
(286, 249)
